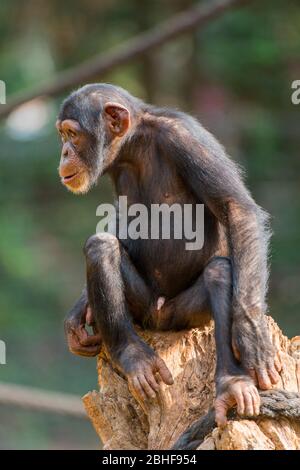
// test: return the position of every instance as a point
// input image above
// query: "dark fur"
(167, 156)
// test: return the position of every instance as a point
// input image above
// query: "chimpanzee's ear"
(117, 118)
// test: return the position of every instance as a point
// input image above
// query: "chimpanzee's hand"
(79, 341)
(144, 370)
(238, 391)
(253, 348)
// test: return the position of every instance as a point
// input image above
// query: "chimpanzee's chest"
(169, 235)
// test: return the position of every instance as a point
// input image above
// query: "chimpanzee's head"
(93, 122)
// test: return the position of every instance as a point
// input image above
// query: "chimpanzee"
(155, 156)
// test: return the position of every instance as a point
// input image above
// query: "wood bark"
(123, 423)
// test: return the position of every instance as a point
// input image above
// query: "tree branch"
(130, 50)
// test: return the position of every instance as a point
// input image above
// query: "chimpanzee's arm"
(216, 181)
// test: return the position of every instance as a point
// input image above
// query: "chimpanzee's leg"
(138, 297)
(213, 292)
(106, 297)
(232, 382)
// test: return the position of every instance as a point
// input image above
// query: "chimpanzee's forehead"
(69, 110)
(83, 109)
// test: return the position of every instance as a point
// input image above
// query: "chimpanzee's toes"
(277, 362)
(264, 382)
(273, 375)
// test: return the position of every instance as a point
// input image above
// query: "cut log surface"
(123, 423)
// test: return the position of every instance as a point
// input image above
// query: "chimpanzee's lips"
(68, 178)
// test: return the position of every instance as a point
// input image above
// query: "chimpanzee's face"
(89, 149)
(73, 169)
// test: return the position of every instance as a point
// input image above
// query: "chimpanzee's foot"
(238, 391)
(252, 346)
(144, 370)
(79, 341)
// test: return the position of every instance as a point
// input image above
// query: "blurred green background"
(235, 75)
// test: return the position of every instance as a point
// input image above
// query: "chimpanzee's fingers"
(146, 387)
(136, 388)
(249, 409)
(86, 351)
(80, 332)
(256, 402)
(151, 380)
(221, 409)
(95, 329)
(239, 398)
(263, 379)
(91, 340)
(273, 374)
(76, 348)
(163, 371)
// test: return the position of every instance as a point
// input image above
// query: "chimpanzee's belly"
(167, 265)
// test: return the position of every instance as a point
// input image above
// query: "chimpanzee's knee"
(218, 272)
(101, 247)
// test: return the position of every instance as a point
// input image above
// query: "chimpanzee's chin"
(79, 185)
(79, 191)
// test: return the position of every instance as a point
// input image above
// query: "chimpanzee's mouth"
(68, 178)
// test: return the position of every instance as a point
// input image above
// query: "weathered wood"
(122, 423)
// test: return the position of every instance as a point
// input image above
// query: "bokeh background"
(234, 74)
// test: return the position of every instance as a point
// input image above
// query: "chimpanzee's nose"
(65, 152)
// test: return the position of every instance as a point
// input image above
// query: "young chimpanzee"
(157, 156)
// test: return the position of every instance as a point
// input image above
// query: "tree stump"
(123, 423)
